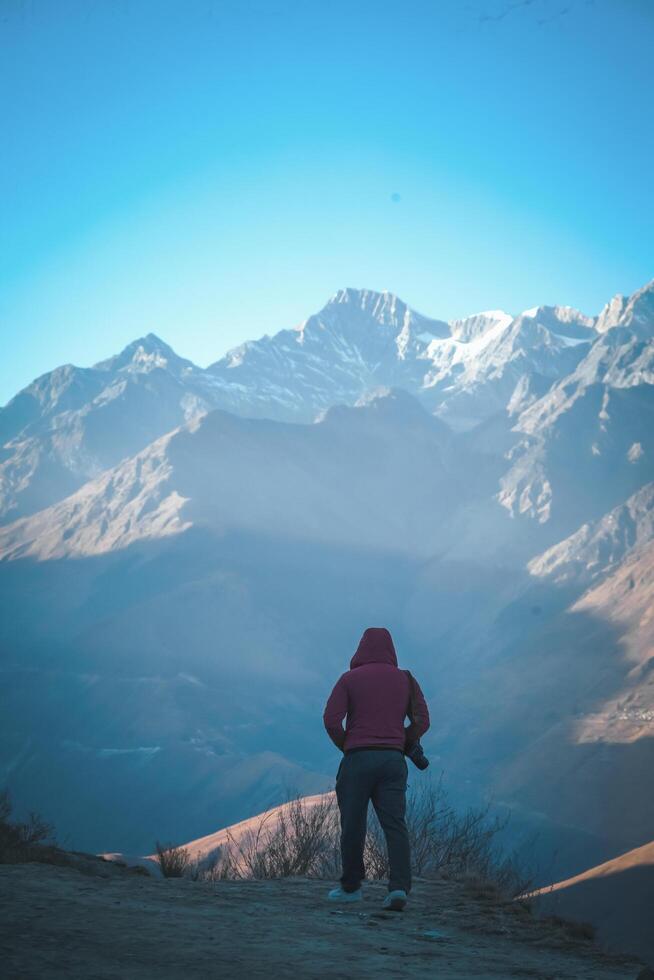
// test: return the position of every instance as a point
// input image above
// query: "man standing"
(375, 695)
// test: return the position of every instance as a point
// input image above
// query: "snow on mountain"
(464, 371)
(468, 382)
(72, 424)
(620, 357)
(474, 326)
(359, 340)
(616, 360)
(635, 312)
(146, 354)
(587, 443)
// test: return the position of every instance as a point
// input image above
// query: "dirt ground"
(59, 922)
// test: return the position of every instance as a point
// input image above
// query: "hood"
(375, 647)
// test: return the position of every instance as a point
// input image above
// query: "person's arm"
(420, 721)
(335, 711)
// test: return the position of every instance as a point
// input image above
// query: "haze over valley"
(189, 557)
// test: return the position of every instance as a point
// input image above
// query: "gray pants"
(379, 775)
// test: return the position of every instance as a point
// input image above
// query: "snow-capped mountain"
(359, 340)
(588, 442)
(73, 423)
(464, 371)
(470, 382)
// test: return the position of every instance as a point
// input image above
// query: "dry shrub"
(297, 840)
(173, 861)
(20, 839)
(447, 843)
(305, 841)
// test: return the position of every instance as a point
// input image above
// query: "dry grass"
(301, 840)
(19, 840)
(574, 929)
(297, 840)
(173, 861)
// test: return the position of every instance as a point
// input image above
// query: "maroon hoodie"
(374, 694)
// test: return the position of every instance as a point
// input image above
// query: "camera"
(416, 754)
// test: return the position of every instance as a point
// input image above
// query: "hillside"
(223, 473)
(615, 897)
(592, 765)
(58, 921)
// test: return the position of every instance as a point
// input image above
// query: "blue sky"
(212, 170)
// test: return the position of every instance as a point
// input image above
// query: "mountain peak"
(639, 313)
(635, 312)
(477, 324)
(361, 297)
(382, 306)
(144, 355)
(560, 314)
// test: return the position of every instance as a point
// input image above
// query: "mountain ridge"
(72, 423)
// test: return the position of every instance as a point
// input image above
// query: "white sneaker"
(338, 895)
(395, 900)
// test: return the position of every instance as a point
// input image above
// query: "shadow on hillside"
(188, 677)
(619, 905)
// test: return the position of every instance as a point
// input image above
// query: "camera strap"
(412, 696)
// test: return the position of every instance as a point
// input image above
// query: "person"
(375, 695)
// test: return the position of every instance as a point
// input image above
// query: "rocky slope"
(73, 423)
(590, 764)
(597, 548)
(586, 444)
